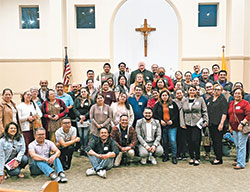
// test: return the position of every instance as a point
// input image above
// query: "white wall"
(162, 43)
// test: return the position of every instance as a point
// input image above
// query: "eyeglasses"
(208, 87)
(217, 89)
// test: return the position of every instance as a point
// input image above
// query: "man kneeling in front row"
(125, 138)
(148, 132)
(101, 153)
(40, 150)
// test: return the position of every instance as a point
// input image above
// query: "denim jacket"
(6, 149)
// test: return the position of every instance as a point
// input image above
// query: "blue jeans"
(23, 163)
(99, 164)
(84, 136)
(39, 167)
(240, 141)
(169, 134)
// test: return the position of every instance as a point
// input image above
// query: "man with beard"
(125, 138)
(101, 153)
(75, 91)
(148, 132)
(43, 90)
(63, 96)
(105, 74)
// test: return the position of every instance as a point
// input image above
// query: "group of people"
(113, 117)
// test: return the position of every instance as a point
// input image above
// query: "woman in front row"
(239, 115)
(217, 113)
(167, 112)
(12, 148)
(194, 110)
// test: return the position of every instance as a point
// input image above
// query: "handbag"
(246, 127)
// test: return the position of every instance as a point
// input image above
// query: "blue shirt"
(195, 75)
(138, 106)
(67, 99)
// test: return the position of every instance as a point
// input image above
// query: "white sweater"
(24, 112)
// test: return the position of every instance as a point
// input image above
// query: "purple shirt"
(44, 149)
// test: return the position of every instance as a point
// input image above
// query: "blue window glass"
(207, 16)
(30, 17)
(85, 17)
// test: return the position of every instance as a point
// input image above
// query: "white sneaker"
(153, 160)
(102, 173)
(143, 161)
(90, 171)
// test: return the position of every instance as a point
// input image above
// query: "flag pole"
(223, 63)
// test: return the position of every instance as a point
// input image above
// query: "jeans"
(169, 134)
(99, 164)
(39, 167)
(84, 136)
(240, 141)
(16, 171)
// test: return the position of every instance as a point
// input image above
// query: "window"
(30, 17)
(207, 15)
(85, 17)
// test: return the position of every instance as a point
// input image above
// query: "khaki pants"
(130, 154)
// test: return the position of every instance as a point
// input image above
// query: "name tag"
(171, 107)
(108, 96)
(140, 103)
(197, 103)
(147, 77)
(237, 107)
(105, 148)
(57, 106)
(154, 127)
(86, 104)
(105, 112)
(126, 136)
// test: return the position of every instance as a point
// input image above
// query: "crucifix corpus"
(145, 30)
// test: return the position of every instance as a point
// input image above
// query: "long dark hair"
(169, 101)
(125, 80)
(17, 136)
(126, 102)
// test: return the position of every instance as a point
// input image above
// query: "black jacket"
(173, 112)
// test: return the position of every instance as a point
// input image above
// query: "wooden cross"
(145, 30)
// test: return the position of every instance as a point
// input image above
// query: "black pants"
(181, 141)
(216, 136)
(66, 156)
(194, 141)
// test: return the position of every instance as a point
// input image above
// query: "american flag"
(66, 70)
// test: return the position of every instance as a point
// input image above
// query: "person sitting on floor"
(65, 140)
(101, 153)
(40, 150)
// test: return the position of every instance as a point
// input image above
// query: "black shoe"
(174, 160)
(216, 162)
(165, 159)
(196, 162)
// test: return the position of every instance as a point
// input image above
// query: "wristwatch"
(242, 123)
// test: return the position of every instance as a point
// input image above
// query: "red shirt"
(151, 103)
(170, 83)
(242, 110)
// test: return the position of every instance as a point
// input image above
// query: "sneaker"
(196, 162)
(54, 177)
(153, 160)
(63, 177)
(102, 173)
(90, 171)
(143, 161)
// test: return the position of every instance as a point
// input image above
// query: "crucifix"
(145, 30)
